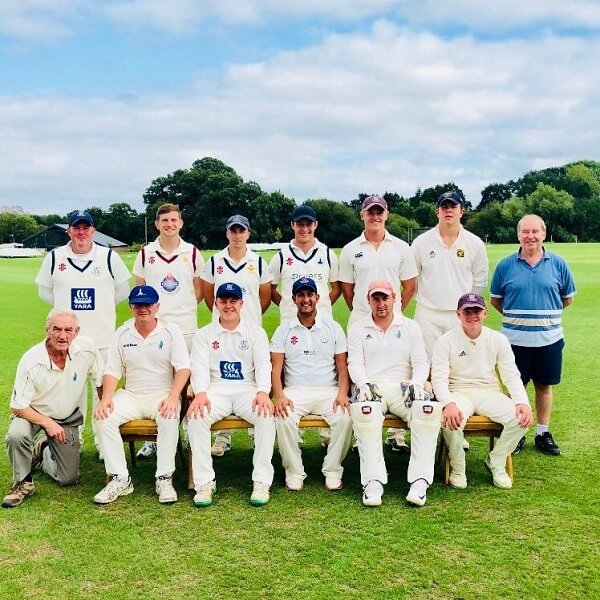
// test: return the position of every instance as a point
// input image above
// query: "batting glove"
(419, 392)
(364, 394)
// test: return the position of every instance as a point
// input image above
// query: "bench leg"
(190, 471)
(132, 454)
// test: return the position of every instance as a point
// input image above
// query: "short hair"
(541, 221)
(60, 312)
(163, 209)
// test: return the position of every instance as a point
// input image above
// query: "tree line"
(567, 198)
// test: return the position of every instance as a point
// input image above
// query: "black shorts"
(541, 365)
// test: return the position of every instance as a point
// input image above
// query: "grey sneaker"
(260, 494)
(417, 494)
(113, 489)
(219, 448)
(148, 450)
(457, 480)
(17, 494)
(204, 494)
(165, 490)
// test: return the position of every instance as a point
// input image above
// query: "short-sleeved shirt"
(461, 363)
(532, 298)
(86, 285)
(446, 273)
(361, 263)
(249, 273)
(172, 276)
(238, 356)
(309, 354)
(147, 364)
(55, 393)
(320, 264)
(398, 353)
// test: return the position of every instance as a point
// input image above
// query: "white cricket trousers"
(317, 401)
(487, 403)
(129, 407)
(433, 324)
(83, 403)
(424, 421)
(229, 398)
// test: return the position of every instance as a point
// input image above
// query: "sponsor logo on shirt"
(169, 284)
(83, 298)
(132, 345)
(231, 370)
(309, 353)
(358, 255)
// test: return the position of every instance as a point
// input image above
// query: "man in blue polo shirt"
(531, 288)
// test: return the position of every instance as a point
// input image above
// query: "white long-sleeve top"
(241, 355)
(398, 353)
(462, 363)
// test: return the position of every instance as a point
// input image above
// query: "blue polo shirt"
(532, 298)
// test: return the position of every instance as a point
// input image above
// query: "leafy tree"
(586, 219)
(489, 225)
(581, 181)
(495, 192)
(556, 208)
(270, 216)
(16, 226)
(338, 223)
(401, 226)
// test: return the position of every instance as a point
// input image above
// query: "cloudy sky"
(315, 99)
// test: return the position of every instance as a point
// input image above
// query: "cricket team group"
(434, 371)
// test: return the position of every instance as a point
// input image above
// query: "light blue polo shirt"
(532, 298)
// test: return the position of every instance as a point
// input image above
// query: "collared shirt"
(309, 354)
(147, 364)
(249, 273)
(55, 393)
(398, 353)
(532, 298)
(446, 273)
(172, 276)
(319, 263)
(462, 363)
(361, 263)
(238, 356)
(89, 285)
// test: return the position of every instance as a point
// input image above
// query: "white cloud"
(386, 110)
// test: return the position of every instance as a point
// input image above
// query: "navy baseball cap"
(304, 212)
(304, 283)
(229, 290)
(240, 220)
(143, 294)
(374, 200)
(450, 197)
(470, 301)
(80, 215)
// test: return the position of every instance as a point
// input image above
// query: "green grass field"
(538, 540)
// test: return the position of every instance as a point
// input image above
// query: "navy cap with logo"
(470, 301)
(229, 290)
(304, 212)
(143, 294)
(450, 197)
(304, 283)
(79, 216)
(374, 200)
(239, 220)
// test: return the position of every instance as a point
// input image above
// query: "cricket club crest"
(460, 253)
(169, 283)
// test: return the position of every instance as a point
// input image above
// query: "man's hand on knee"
(452, 416)
(524, 415)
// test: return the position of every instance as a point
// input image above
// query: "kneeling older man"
(463, 374)
(388, 363)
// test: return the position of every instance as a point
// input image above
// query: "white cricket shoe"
(294, 484)
(165, 490)
(148, 450)
(260, 494)
(500, 477)
(417, 494)
(113, 489)
(219, 448)
(204, 494)
(372, 493)
(333, 484)
(457, 480)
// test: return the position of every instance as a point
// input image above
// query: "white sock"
(541, 429)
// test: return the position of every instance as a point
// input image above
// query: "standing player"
(310, 376)
(172, 267)
(240, 265)
(305, 256)
(451, 262)
(531, 288)
(376, 254)
(231, 374)
(465, 382)
(386, 354)
(88, 279)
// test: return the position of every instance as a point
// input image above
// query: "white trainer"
(148, 450)
(165, 490)
(219, 448)
(457, 480)
(500, 477)
(372, 493)
(113, 489)
(260, 494)
(204, 494)
(417, 494)
(333, 484)
(294, 484)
